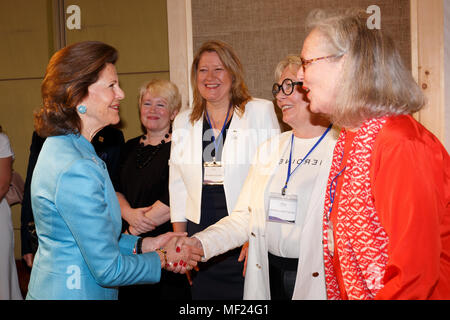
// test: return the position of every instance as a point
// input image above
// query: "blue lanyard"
(333, 187)
(221, 131)
(289, 173)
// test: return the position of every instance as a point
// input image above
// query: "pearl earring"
(82, 109)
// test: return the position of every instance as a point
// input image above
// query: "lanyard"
(333, 187)
(289, 173)
(220, 134)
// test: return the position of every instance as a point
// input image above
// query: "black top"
(221, 277)
(208, 143)
(213, 205)
(144, 177)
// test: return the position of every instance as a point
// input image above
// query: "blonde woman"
(280, 207)
(212, 147)
(142, 185)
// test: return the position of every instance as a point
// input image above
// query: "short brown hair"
(69, 74)
(374, 81)
(239, 91)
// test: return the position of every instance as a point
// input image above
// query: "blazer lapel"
(196, 150)
(229, 148)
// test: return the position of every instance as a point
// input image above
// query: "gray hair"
(374, 81)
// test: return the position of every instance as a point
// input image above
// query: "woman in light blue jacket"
(82, 253)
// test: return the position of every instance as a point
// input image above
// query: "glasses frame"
(306, 62)
(275, 92)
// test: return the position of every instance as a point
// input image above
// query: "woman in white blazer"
(212, 147)
(280, 207)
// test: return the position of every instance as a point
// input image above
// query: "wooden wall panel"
(427, 29)
(180, 41)
(138, 29)
(25, 42)
(24, 36)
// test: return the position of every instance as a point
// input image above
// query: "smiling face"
(155, 113)
(102, 102)
(294, 107)
(213, 79)
(321, 77)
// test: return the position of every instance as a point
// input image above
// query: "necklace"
(146, 153)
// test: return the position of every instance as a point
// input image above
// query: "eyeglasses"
(287, 86)
(305, 63)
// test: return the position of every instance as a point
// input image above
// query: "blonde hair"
(374, 81)
(292, 61)
(239, 94)
(165, 89)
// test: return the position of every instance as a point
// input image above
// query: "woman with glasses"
(280, 207)
(212, 147)
(386, 220)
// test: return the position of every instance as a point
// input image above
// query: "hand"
(28, 257)
(182, 254)
(191, 242)
(159, 213)
(139, 222)
(244, 254)
(153, 243)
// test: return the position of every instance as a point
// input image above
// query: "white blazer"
(248, 223)
(245, 134)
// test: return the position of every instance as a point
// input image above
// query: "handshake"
(176, 251)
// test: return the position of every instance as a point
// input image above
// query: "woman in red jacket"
(386, 228)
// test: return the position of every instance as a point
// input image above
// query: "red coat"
(410, 180)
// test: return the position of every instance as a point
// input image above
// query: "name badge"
(282, 208)
(214, 173)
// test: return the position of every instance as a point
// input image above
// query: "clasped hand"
(178, 253)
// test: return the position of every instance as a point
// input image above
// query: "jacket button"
(315, 274)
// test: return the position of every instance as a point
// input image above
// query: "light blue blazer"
(82, 253)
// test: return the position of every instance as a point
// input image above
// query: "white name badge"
(282, 208)
(214, 173)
